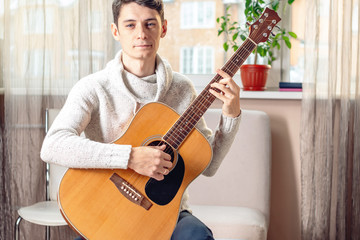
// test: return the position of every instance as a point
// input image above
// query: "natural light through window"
(197, 15)
(192, 45)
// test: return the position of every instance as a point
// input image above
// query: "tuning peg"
(248, 24)
(272, 34)
(269, 40)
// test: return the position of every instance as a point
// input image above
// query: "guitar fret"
(207, 102)
(171, 142)
(180, 134)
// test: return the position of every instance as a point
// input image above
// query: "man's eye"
(129, 25)
(150, 24)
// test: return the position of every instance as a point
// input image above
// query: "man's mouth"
(143, 45)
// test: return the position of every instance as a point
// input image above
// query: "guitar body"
(95, 204)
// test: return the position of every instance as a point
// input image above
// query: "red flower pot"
(253, 77)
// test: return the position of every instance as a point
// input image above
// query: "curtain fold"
(48, 46)
(330, 162)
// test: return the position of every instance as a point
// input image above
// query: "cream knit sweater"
(102, 104)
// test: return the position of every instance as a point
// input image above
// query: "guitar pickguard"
(162, 192)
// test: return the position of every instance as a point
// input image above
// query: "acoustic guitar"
(122, 204)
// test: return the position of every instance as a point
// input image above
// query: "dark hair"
(153, 4)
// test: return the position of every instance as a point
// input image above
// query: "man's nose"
(141, 32)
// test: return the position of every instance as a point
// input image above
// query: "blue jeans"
(188, 227)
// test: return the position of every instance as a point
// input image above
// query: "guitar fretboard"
(187, 121)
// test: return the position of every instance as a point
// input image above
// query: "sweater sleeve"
(64, 145)
(220, 141)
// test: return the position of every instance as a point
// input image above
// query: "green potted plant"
(254, 76)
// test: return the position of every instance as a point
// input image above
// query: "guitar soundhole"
(162, 192)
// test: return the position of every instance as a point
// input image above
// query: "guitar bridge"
(130, 192)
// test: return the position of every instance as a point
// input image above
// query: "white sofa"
(235, 203)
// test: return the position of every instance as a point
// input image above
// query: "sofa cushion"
(232, 222)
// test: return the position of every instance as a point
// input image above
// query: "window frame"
(196, 59)
(190, 12)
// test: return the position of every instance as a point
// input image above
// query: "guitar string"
(234, 67)
(203, 99)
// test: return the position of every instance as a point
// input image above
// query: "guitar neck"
(187, 121)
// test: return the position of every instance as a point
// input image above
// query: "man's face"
(139, 31)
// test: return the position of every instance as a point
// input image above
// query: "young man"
(102, 104)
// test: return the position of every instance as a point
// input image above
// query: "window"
(191, 45)
(2, 23)
(66, 3)
(36, 21)
(95, 25)
(95, 62)
(195, 25)
(296, 54)
(2, 26)
(197, 15)
(197, 60)
(38, 63)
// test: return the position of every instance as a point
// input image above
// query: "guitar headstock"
(261, 29)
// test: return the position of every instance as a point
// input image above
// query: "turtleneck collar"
(143, 90)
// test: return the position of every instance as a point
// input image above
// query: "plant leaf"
(275, 5)
(288, 43)
(260, 51)
(247, 4)
(290, 1)
(292, 34)
(285, 38)
(273, 44)
(234, 37)
(226, 46)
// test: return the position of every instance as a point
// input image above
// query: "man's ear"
(164, 28)
(115, 31)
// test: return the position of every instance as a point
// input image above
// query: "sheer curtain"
(330, 134)
(48, 45)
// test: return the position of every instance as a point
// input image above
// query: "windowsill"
(200, 82)
(267, 94)
(273, 93)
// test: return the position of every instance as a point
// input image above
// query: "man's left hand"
(229, 95)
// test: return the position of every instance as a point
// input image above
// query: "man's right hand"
(150, 161)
